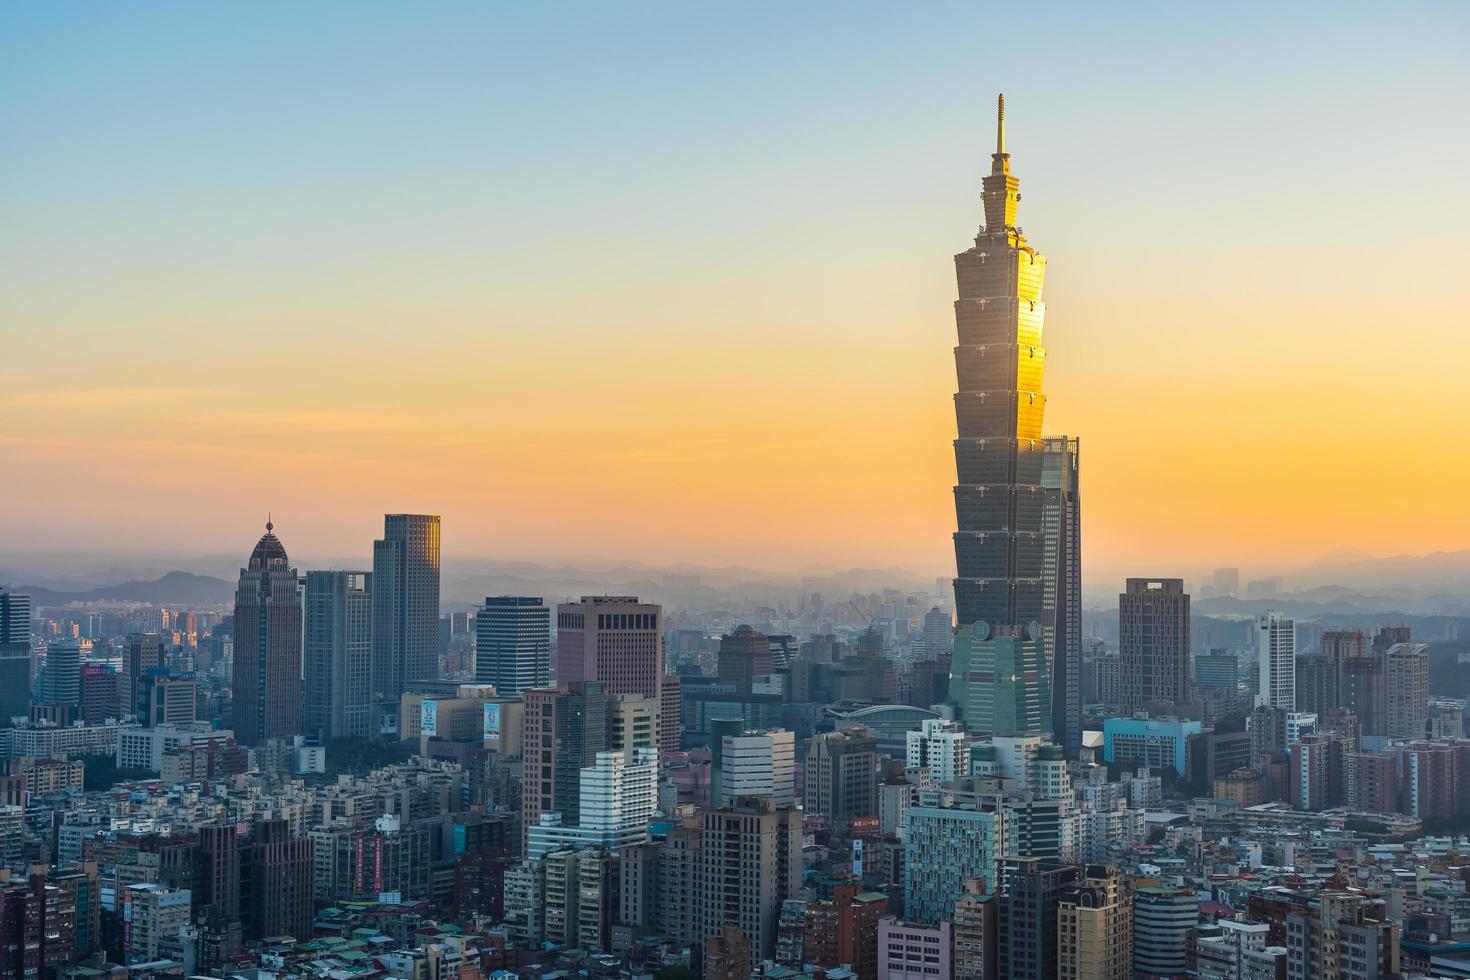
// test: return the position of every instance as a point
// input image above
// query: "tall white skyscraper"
(758, 764)
(618, 794)
(1276, 651)
(941, 747)
(405, 603)
(513, 643)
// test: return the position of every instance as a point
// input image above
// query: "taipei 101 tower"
(1001, 682)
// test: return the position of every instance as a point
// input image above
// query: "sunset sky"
(673, 282)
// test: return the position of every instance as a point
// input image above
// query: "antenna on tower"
(1000, 124)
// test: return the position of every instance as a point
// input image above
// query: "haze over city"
(339, 260)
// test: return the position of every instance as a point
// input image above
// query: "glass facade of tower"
(1001, 681)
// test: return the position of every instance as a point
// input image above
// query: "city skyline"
(412, 299)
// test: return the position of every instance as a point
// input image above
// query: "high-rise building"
(141, 653)
(1408, 689)
(843, 930)
(938, 633)
(839, 779)
(98, 694)
(1062, 573)
(743, 656)
(155, 914)
(267, 686)
(62, 680)
(670, 715)
(405, 603)
(1002, 669)
(513, 643)
(1026, 927)
(15, 618)
(975, 933)
(1337, 938)
(748, 863)
(1162, 920)
(1095, 927)
(1362, 685)
(616, 640)
(1276, 655)
(616, 799)
(1316, 684)
(1241, 951)
(563, 730)
(941, 747)
(943, 849)
(1218, 670)
(338, 656)
(758, 764)
(1153, 643)
(164, 699)
(277, 872)
(1225, 582)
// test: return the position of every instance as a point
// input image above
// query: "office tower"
(943, 848)
(141, 653)
(1344, 936)
(748, 863)
(670, 716)
(975, 922)
(613, 639)
(1002, 669)
(1362, 685)
(843, 930)
(215, 882)
(1218, 670)
(840, 776)
(1153, 643)
(164, 699)
(1162, 920)
(513, 643)
(632, 724)
(278, 878)
(62, 680)
(1316, 684)
(16, 667)
(1062, 574)
(1225, 582)
(405, 603)
(1026, 926)
(563, 730)
(1408, 689)
(1095, 927)
(267, 684)
(338, 655)
(743, 656)
(938, 633)
(1276, 654)
(98, 694)
(758, 764)
(940, 747)
(617, 796)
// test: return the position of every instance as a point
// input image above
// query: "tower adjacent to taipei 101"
(1001, 681)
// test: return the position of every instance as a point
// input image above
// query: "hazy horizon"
(465, 260)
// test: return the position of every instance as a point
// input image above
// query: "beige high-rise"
(1095, 927)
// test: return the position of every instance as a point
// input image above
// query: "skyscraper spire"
(1000, 124)
(1001, 190)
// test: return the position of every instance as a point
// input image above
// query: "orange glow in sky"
(707, 317)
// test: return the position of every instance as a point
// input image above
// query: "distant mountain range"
(173, 588)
